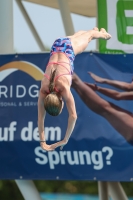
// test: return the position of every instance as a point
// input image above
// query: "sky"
(48, 24)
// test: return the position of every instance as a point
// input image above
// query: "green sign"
(116, 16)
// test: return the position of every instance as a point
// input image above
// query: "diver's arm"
(70, 103)
(112, 93)
(118, 84)
(68, 97)
(41, 118)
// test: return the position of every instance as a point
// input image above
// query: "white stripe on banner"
(114, 43)
(129, 29)
(129, 13)
(5, 73)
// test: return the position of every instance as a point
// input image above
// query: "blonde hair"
(52, 103)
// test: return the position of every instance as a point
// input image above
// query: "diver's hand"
(96, 78)
(60, 144)
(46, 147)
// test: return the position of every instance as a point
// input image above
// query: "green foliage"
(10, 191)
(82, 187)
(128, 188)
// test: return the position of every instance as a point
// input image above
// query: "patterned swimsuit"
(62, 45)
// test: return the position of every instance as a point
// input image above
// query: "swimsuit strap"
(60, 75)
(64, 62)
(54, 52)
(49, 80)
(47, 76)
(59, 63)
(56, 89)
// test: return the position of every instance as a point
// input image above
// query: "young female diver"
(55, 86)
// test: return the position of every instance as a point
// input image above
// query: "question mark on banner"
(109, 155)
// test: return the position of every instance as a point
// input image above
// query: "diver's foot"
(105, 35)
(96, 78)
(102, 34)
(95, 29)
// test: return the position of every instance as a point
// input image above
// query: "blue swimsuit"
(64, 45)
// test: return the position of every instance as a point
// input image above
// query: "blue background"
(91, 133)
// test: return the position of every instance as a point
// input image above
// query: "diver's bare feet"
(96, 29)
(105, 35)
(102, 34)
(96, 78)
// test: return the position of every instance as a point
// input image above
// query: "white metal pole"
(31, 26)
(6, 26)
(28, 189)
(66, 17)
(116, 191)
(97, 41)
(103, 190)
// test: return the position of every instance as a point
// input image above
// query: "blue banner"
(100, 147)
